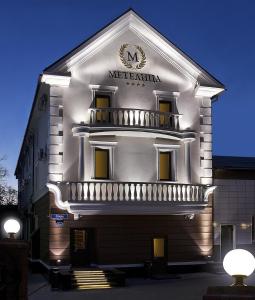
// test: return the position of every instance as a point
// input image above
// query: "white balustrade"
(134, 117)
(105, 191)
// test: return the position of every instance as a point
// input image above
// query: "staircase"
(88, 279)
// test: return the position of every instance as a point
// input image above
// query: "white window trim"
(103, 145)
(167, 148)
(103, 89)
(167, 96)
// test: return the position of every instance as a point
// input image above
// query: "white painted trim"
(207, 91)
(209, 191)
(103, 145)
(57, 80)
(167, 148)
(102, 88)
(58, 197)
(167, 96)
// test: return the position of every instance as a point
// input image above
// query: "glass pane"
(101, 163)
(165, 166)
(164, 106)
(102, 102)
(159, 247)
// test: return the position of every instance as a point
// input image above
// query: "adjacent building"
(116, 163)
(234, 204)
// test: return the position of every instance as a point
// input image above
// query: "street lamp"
(11, 227)
(239, 264)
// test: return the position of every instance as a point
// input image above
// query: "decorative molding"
(208, 192)
(103, 88)
(59, 80)
(58, 197)
(207, 91)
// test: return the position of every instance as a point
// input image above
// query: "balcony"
(107, 197)
(119, 121)
(126, 117)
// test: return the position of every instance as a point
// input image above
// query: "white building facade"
(116, 162)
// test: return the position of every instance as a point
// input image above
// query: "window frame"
(103, 90)
(167, 148)
(107, 146)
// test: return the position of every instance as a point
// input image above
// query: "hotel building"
(116, 163)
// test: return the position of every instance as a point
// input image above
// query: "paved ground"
(189, 286)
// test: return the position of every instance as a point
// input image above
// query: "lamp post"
(239, 264)
(12, 227)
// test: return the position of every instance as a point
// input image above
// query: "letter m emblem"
(133, 58)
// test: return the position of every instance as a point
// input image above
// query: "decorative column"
(187, 158)
(81, 159)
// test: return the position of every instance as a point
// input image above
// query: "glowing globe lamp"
(12, 227)
(239, 264)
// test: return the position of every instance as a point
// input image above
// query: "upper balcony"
(128, 119)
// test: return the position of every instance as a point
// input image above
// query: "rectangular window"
(165, 107)
(79, 239)
(102, 102)
(165, 166)
(158, 247)
(101, 163)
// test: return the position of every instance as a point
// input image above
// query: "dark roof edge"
(29, 121)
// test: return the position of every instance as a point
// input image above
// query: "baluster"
(135, 191)
(133, 117)
(88, 190)
(94, 191)
(122, 113)
(141, 192)
(118, 191)
(129, 191)
(100, 191)
(174, 192)
(112, 192)
(170, 193)
(188, 193)
(106, 191)
(167, 193)
(162, 192)
(76, 191)
(124, 191)
(179, 193)
(128, 120)
(139, 118)
(82, 191)
(144, 119)
(146, 192)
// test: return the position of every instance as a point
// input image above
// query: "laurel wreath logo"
(128, 64)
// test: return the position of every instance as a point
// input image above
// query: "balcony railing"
(134, 117)
(133, 192)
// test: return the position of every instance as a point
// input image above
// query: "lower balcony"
(107, 197)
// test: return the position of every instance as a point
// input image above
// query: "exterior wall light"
(12, 227)
(239, 264)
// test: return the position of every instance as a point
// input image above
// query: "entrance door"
(226, 239)
(82, 246)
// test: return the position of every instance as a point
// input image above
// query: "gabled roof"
(130, 19)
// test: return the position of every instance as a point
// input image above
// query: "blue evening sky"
(218, 34)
